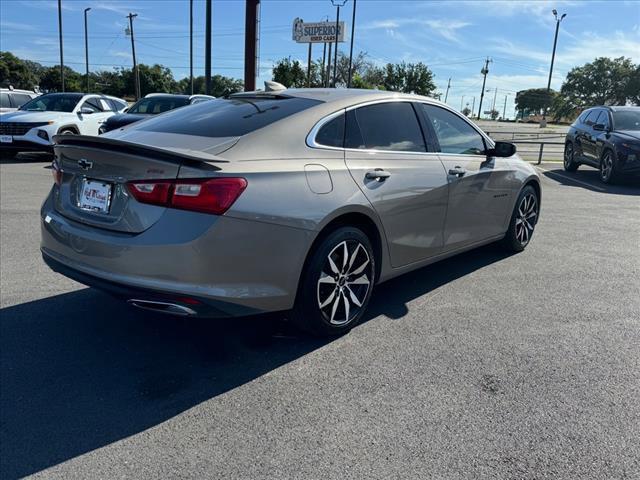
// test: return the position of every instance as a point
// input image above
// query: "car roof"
(167, 95)
(339, 97)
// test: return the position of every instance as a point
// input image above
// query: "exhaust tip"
(162, 307)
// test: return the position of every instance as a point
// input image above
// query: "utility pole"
(191, 45)
(250, 43)
(446, 95)
(338, 4)
(324, 60)
(60, 35)
(473, 106)
(328, 76)
(461, 102)
(353, 30)
(484, 72)
(309, 66)
(207, 49)
(136, 73)
(86, 46)
(543, 123)
(495, 94)
(504, 109)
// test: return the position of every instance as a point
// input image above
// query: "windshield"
(153, 105)
(53, 102)
(627, 119)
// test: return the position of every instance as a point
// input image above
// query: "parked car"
(607, 138)
(152, 104)
(11, 99)
(297, 200)
(33, 126)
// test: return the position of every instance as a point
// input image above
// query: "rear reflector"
(206, 195)
(56, 172)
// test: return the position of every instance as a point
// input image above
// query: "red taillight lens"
(213, 195)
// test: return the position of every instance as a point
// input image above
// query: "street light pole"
(86, 46)
(338, 4)
(353, 30)
(461, 102)
(553, 57)
(60, 35)
(504, 109)
(191, 45)
(207, 48)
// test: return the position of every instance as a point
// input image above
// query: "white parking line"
(572, 179)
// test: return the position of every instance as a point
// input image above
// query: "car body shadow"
(589, 178)
(26, 157)
(81, 370)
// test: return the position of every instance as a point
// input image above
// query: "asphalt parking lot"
(481, 366)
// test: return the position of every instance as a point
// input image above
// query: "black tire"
(67, 131)
(608, 171)
(519, 234)
(331, 284)
(569, 163)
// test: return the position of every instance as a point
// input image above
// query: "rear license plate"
(95, 196)
(6, 139)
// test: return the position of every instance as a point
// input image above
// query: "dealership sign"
(319, 32)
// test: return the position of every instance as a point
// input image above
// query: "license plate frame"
(95, 196)
(6, 139)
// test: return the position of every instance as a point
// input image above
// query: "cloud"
(445, 28)
(16, 26)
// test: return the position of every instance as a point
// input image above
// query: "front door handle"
(457, 171)
(379, 175)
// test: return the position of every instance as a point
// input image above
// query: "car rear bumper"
(25, 146)
(233, 267)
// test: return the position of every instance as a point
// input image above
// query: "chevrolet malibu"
(296, 200)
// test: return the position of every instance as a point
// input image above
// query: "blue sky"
(452, 37)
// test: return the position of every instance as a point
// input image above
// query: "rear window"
(332, 133)
(231, 117)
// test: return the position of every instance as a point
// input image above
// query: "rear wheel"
(608, 167)
(67, 131)
(523, 220)
(570, 164)
(336, 285)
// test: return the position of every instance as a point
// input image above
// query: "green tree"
(221, 86)
(534, 100)
(17, 72)
(409, 78)
(466, 111)
(633, 87)
(290, 73)
(605, 81)
(50, 80)
(494, 114)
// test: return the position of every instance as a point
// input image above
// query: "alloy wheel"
(526, 218)
(568, 155)
(344, 282)
(606, 166)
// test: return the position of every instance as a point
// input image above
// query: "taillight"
(207, 195)
(56, 172)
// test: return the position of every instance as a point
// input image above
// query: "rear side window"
(19, 99)
(4, 100)
(231, 117)
(332, 133)
(385, 126)
(454, 134)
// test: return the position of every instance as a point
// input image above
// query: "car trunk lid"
(95, 171)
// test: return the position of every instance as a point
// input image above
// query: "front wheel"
(336, 285)
(570, 164)
(608, 167)
(523, 220)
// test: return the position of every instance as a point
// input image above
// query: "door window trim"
(311, 136)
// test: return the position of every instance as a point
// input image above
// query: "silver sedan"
(296, 200)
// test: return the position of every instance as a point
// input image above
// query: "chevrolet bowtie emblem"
(85, 164)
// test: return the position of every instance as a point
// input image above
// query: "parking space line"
(552, 172)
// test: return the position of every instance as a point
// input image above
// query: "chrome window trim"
(311, 136)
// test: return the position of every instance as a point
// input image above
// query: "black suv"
(607, 138)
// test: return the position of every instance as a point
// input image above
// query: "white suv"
(12, 99)
(33, 126)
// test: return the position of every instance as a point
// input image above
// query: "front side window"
(53, 102)
(389, 126)
(332, 133)
(589, 120)
(454, 134)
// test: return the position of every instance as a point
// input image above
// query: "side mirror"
(502, 149)
(86, 110)
(599, 127)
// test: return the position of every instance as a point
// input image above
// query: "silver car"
(297, 200)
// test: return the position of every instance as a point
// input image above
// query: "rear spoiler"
(121, 146)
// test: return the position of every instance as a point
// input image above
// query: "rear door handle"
(457, 171)
(379, 175)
